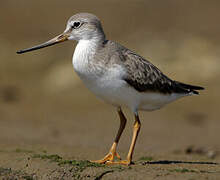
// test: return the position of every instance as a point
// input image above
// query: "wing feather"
(144, 76)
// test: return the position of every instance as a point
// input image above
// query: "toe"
(123, 162)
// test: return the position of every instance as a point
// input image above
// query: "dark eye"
(76, 25)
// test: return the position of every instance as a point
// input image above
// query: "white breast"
(109, 86)
(84, 50)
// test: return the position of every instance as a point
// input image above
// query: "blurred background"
(44, 104)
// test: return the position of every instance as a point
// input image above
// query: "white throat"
(83, 53)
(83, 49)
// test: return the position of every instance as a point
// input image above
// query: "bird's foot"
(122, 162)
(108, 158)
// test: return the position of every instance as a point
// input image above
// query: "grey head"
(81, 26)
(84, 26)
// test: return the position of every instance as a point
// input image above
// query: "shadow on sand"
(178, 162)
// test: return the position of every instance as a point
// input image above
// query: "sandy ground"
(51, 125)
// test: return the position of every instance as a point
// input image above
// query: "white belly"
(119, 93)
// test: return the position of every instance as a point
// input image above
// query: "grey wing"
(144, 76)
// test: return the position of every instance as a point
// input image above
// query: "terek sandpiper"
(117, 75)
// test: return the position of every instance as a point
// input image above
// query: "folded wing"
(144, 76)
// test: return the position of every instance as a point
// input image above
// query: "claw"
(108, 158)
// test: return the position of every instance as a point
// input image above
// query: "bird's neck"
(87, 48)
(84, 55)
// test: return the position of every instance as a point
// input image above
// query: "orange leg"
(136, 131)
(112, 153)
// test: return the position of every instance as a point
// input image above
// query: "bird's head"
(82, 26)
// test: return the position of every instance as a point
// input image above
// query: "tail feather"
(189, 88)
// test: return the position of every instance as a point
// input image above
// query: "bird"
(118, 76)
